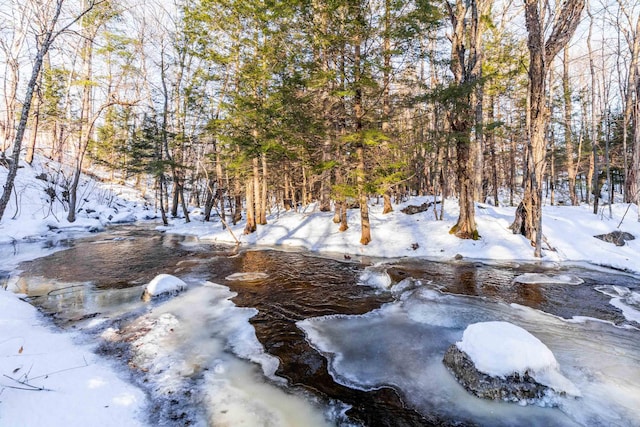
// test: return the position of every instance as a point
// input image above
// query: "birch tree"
(43, 44)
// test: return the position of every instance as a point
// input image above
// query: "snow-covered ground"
(49, 378)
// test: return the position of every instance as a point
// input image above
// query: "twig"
(625, 214)
(26, 384)
(63, 370)
(226, 226)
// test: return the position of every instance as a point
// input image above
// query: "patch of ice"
(247, 277)
(624, 299)
(502, 348)
(548, 279)
(203, 336)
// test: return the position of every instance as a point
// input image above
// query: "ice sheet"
(402, 344)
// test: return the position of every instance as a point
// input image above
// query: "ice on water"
(624, 299)
(247, 276)
(403, 343)
(201, 337)
(548, 279)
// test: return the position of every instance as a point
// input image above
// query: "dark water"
(104, 276)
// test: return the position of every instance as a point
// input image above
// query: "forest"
(232, 105)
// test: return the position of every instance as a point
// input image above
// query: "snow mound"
(500, 349)
(548, 279)
(247, 277)
(624, 299)
(375, 277)
(163, 284)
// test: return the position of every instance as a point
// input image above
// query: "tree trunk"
(365, 236)
(594, 120)
(466, 72)
(541, 54)
(492, 147)
(568, 136)
(263, 199)
(250, 208)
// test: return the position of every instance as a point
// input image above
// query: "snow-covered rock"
(501, 361)
(616, 237)
(376, 277)
(163, 284)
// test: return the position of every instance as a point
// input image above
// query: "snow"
(375, 276)
(84, 387)
(500, 349)
(164, 284)
(78, 386)
(568, 230)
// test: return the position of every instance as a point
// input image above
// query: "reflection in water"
(103, 276)
(530, 295)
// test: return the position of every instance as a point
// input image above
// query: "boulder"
(414, 209)
(501, 361)
(512, 388)
(616, 237)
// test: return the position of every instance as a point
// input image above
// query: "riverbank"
(568, 230)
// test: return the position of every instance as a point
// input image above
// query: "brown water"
(104, 276)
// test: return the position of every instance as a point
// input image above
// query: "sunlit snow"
(400, 345)
(163, 284)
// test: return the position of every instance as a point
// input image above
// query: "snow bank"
(77, 386)
(398, 235)
(547, 279)
(41, 209)
(500, 349)
(163, 284)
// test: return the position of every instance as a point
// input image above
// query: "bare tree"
(44, 45)
(541, 53)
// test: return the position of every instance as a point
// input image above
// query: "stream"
(324, 340)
